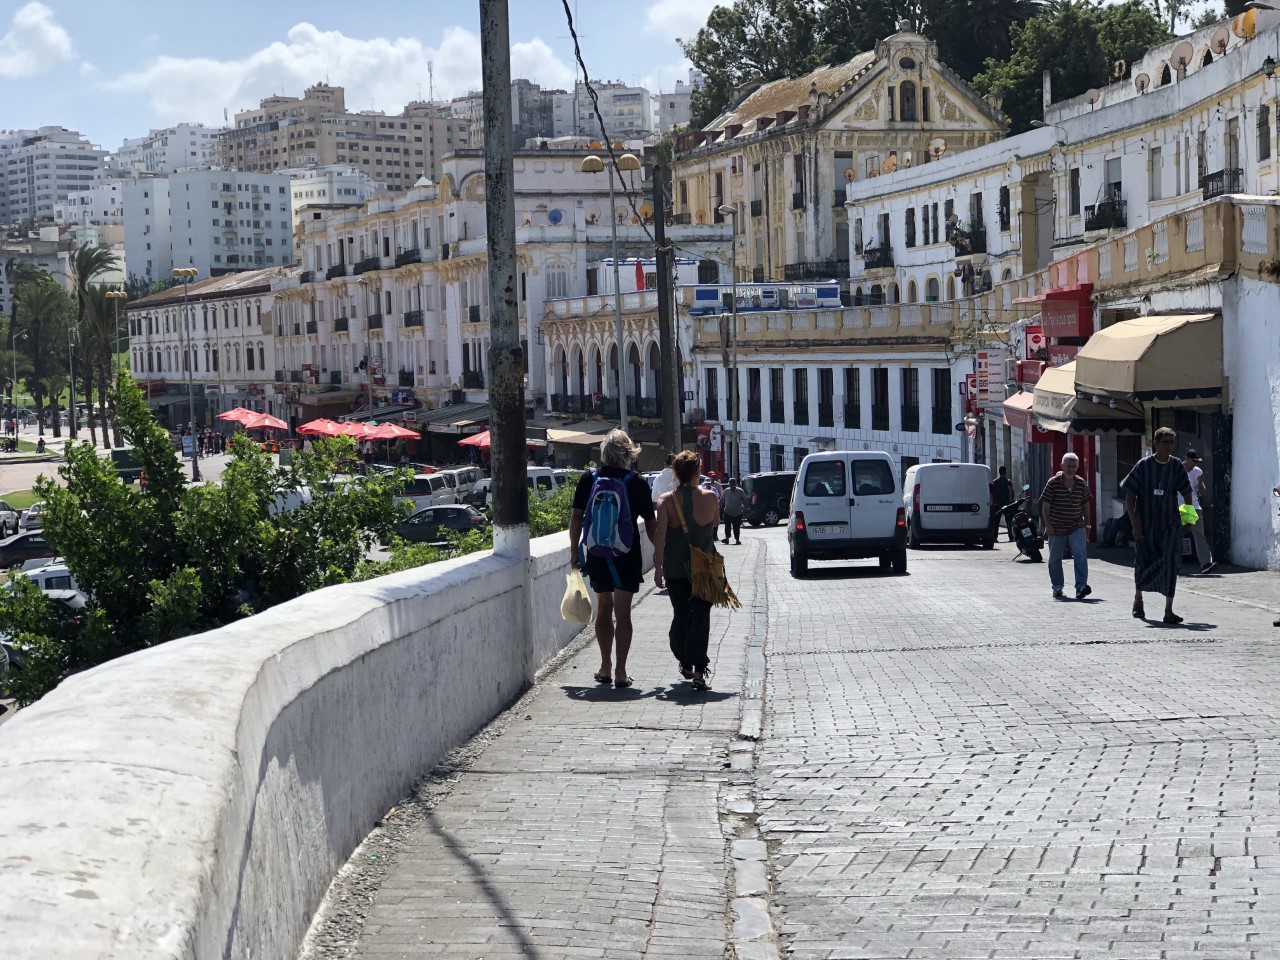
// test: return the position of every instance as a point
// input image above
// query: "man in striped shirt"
(1062, 505)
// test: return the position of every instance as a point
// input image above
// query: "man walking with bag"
(733, 507)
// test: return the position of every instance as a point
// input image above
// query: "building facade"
(103, 203)
(41, 167)
(185, 146)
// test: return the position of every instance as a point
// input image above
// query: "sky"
(113, 71)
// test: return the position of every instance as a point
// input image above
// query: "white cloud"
(662, 78)
(379, 73)
(679, 18)
(36, 42)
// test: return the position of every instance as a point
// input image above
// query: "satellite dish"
(1142, 81)
(937, 147)
(849, 175)
(1093, 96)
(952, 220)
(620, 214)
(554, 217)
(1117, 70)
(646, 210)
(1220, 40)
(906, 158)
(1245, 26)
(890, 165)
(1181, 55)
(700, 216)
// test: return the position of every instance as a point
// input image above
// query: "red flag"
(639, 275)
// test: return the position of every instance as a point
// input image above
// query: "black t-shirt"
(1002, 487)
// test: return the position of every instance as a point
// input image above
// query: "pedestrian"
(604, 525)
(1001, 497)
(1191, 461)
(686, 518)
(733, 507)
(1062, 504)
(712, 483)
(1151, 500)
(665, 481)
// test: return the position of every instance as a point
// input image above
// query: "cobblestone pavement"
(950, 764)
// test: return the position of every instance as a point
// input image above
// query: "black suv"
(768, 497)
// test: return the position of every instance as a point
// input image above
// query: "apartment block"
(41, 167)
(186, 146)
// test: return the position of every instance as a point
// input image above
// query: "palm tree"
(90, 348)
(41, 310)
(101, 330)
(87, 264)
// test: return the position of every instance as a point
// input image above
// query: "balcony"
(311, 326)
(911, 419)
(879, 416)
(279, 377)
(408, 256)
(295, 376)
(648, 407)
(797, 200)
(606, 407)
(365, 265)
(757, 208)
(1222, 182)
(753, 411)
(852, 415)
(757, 274)
(373, 321)
(816, 270)
(716, 215)
(839, 198)
(801, 414)
(297, 329)
(826, 414)
(405, 378)
(472, 380)
(342, 325)
(473, 313)
(878, 258)
(337, 270)
(969, 243)
(942, 421)
(682, 219)
(444, 251)
(1108, 215)
(307, 276)
(413, 318)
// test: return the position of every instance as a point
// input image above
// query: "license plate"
(937, 508)
(823, 530)
(1025, 531)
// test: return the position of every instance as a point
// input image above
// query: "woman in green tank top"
(686, 516)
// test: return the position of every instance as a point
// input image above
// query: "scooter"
(1023, 527)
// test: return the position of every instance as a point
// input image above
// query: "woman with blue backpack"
(604, 542)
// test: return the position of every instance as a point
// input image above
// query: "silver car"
(9, 518)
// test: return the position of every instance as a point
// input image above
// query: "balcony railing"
(839, 198)
(367, 264)
(605, 407)
(713, 408)
(942, 421)
(279, 378)
(879, 416)
(405, 378)
(373, 321)
(472, 380)
(757, 274)
(297, 329)
(816, 270)
(777, 411)
(911, 419)
(473, 313)
(311, 326)
(878, 258)
(342, 325)
(413, 318)
(1108, 215)
(969, 242)
(797, 200)
(408, 256)
(753, 411)
(801, 414)
(826, 414)
(1222, 182)
(307, 276)
(757, 207)
(295, 376)
(648, 407)
(852, 415)
(716, 215)
(337, 270)
(445, 251)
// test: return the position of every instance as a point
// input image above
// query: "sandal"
(622, 682)
(1139, 612)
(700, 683)
(686, 672)
(602, 678)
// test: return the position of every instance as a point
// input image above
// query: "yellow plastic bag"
(576, 605)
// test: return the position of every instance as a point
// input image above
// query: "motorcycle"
(1023, 527)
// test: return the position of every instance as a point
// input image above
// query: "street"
(948, 764)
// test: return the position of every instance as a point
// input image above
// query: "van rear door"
(823, 498)
(874, 500)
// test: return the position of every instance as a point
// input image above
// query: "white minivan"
(949, 503)
(426, 490)
(846, 506)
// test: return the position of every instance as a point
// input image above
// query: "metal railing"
(337, 270)
(472, 380)
(405, 378)
(312, 326)
(969, 242)
(826, 414)
(413, 318)
(910, 419)
(307, 276)
(648, 407)
(879, 416)
(373, 321)
(753, 411)
(473, 313)
(777, 411)
(408, 256)
(279, 378)
(1222, 182)
(878, 258)
(365, 265)
(713, 408)
(1108, 215)
(342, 325)
(757, 274)
(852, 415)
(801, 414)
(797, 200)
(295, 376)
(816, 270)
(757, 207)
(839, 198)
(942, 420)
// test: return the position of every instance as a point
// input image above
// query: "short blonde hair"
(617, 449)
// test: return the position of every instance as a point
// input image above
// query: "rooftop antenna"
(577, 130)
(431, 81)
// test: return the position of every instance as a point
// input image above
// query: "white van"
(462, 480)
(949, 503)
(52, 576)
(846, 506)
(426, 490)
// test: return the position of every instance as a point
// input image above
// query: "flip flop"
(686, 672)
(626, 682)
(700, 684)
(602, 678)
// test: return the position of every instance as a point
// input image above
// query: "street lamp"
(186, 275)
(13, 384)
(728, 210)
(594, 164)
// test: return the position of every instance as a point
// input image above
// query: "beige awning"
(1056, 407)
(1154, 358)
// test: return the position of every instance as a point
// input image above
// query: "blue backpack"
(607, 528)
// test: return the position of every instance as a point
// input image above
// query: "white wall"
(194, 800)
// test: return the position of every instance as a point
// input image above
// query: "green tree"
(43, 312)
(100, 334)
(172, 559)
(87, 264)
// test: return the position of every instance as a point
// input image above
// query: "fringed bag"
(706, 570)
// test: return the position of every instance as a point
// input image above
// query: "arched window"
(857, 296)
(913, 293)
(907, 95)
(931, 290)
(248, 358)
(1206, 59)
(895, 292)
(877, 295)
(986, 279)
(951, 288)
(262, 357)
(1166, 76)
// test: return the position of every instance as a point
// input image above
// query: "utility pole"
(506, 356)
(668, 342)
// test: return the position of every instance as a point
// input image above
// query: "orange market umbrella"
(360, 431)
(389, 431)
(320, 428)
(264, 421)
(476, 440)
(237, 415)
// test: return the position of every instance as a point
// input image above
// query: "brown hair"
(686, 466)
(1165, 432)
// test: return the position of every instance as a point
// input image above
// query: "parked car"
(430, 525)
(949, 503)
(27, 545)
(9, 518)
(33, 519)
(54, 575)
(462, 480)
(847, 507)
(768, 496)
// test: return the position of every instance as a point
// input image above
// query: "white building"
(44, 251)
(673, 107)
(40, 168)
(186, 146)
(331, 186)
(627, 111)
(103, 203)
(216, 221)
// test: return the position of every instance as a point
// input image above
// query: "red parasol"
(389, 431)
(639, 274)
(351, 428)
(237, 415)
(319, 428)
(264, 421)
(480, 440)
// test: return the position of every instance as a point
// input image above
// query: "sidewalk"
(593, 824)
